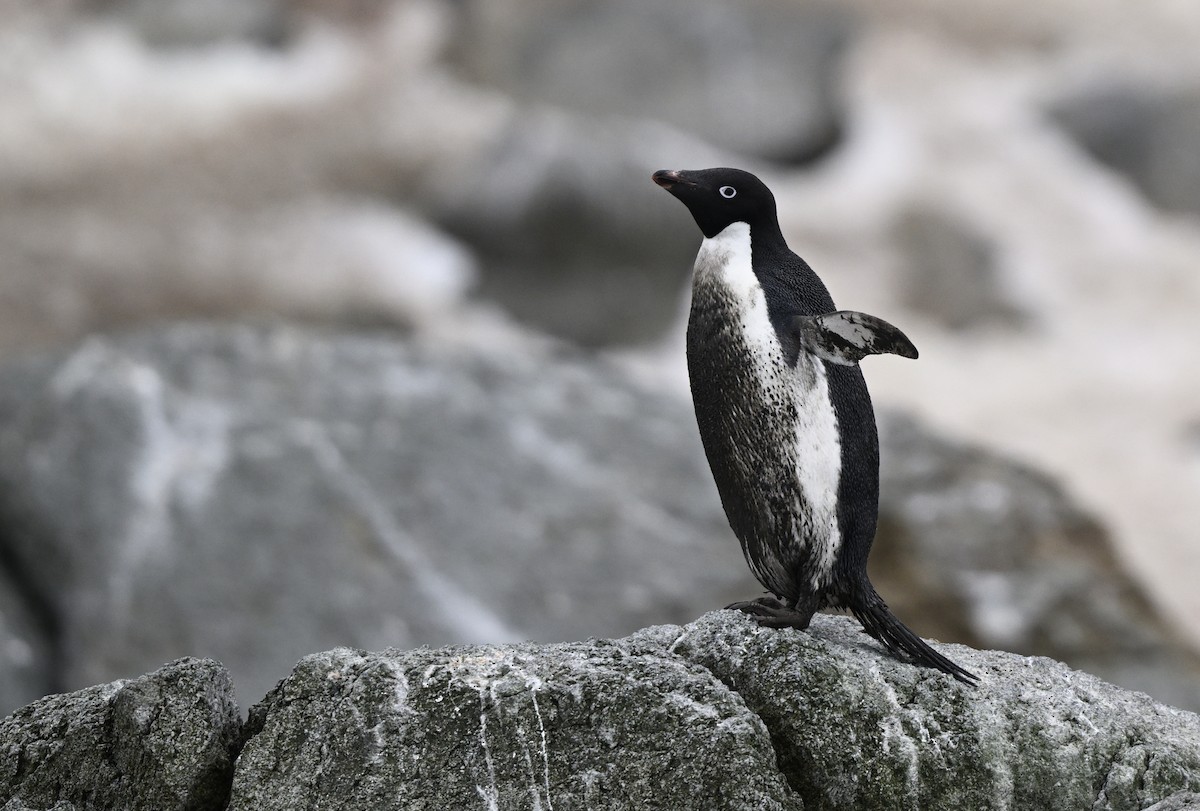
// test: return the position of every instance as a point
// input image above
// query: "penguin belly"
(769, 428)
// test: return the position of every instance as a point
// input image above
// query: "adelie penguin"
(784, 413)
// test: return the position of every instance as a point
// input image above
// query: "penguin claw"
(770, 613)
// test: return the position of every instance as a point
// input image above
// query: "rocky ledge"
(716, 714)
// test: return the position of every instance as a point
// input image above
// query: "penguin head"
(720, 197)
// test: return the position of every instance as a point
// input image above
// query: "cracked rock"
(855, 728)
(717, 714)
(583, 725)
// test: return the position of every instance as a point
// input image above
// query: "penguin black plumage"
(784, 413)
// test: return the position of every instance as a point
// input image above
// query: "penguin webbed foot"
(771, 613)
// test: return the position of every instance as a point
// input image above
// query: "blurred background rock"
(439, 394)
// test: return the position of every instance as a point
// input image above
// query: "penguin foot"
(771, 613)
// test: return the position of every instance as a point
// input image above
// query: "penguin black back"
(784, 413)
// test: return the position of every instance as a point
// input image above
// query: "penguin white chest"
(808, 446)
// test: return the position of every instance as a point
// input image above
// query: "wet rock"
(758, 78)
(1150, 134)
(978, 548)
(163, 741)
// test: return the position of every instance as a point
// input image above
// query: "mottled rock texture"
(580, 725)
(160, 742)
(717, 714)
(855, 729)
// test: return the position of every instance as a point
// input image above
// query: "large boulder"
(988, 551)
(759, 78)
(162, 742)
(255, 494)
(717, 714)
(602, 724)
(302, 181)
(158, 488)
(854, 728)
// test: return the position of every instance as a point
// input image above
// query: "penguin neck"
(766, 239)
(746, 246)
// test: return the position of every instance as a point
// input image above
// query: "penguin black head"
(719, 197)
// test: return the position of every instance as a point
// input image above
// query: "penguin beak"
(669, 178)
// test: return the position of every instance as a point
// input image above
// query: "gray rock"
(191, 23)
(1146, 133)
(758, 78)
(979, 548)
(16, 804)
(573, 238)
(855, 728)
(255, 494)
(114, 256)
(1180, 801)
(949, 271)
(716, 714)
(163, 741)
(353, 490)
(582, 725)
(26, 658)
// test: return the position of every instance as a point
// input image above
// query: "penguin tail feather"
(878, 621)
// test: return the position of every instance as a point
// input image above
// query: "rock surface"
(26, 668)
(758, 78)
(160, 742)
(168, 158)
(581, 725)
(343, 489)
(992, 553)
(719, 714)
(854, 728)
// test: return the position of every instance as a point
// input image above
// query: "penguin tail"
(878, 621)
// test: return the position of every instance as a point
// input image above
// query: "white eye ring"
(728, 192)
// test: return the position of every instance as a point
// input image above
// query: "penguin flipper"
(846, 337)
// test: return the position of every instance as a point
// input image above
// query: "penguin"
(784, 414)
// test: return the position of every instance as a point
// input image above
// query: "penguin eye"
(727, 192)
